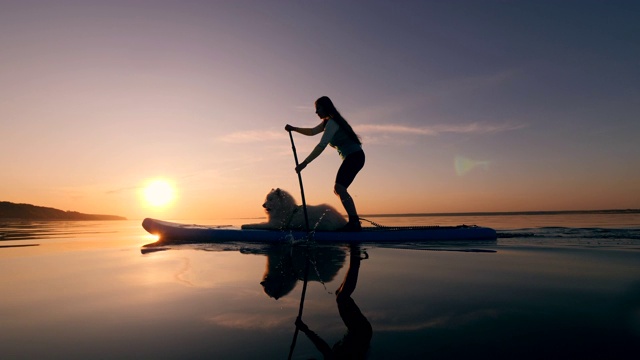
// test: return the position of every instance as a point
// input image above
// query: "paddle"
(306, 270)
(304, 203)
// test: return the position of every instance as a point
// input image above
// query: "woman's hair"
(328, 106)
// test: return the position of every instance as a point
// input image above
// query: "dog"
(283, 213)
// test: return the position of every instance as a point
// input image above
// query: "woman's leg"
(346, 174)
(346, 199)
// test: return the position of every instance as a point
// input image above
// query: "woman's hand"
(301, 166)
(289, 128)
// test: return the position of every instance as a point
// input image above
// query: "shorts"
(350, 167)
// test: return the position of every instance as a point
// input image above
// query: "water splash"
(304, 240)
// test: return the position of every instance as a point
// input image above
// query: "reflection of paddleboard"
(176, 233)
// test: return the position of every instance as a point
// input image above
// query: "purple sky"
(462, 105)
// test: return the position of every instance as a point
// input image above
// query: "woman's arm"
(320, 344)
(329, 131)
(306, 131)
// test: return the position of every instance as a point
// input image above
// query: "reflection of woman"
(338, 133)
(355, 343)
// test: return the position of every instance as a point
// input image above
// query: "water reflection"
(91, 294)
(355, 343)
(28, 229)
(286, 265)
(286, 262)
(518, 302)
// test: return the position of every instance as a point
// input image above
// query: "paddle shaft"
(304, 291)
(306, 271)
(304, 202)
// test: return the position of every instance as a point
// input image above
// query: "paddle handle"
(304, 202)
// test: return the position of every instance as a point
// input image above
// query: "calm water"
(551, 286)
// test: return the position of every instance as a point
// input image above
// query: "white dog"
(283, 213)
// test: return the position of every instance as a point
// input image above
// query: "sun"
(159, 193)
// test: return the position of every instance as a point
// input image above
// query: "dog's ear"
(278, 191)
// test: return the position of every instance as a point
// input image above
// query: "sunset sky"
(462, 106)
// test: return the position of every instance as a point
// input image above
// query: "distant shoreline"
(514, 213)
(13, 211)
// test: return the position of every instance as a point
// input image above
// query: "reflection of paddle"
(304, 290)
(304, 203)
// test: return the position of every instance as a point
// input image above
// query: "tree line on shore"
(9, 210)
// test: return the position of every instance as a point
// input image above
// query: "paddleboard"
(171, 232)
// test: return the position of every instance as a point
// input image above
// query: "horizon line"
(510, 213)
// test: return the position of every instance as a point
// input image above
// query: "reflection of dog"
(286, 266)
(284, 213)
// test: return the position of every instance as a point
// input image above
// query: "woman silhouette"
(339, 134)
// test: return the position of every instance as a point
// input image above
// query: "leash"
(379, 227)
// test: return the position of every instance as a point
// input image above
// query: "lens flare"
(463, 165)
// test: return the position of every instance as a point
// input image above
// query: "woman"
(339, 134)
